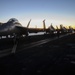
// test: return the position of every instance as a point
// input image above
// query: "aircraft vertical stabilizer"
(44, 26)
(28, 23)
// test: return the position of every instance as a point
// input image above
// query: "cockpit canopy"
(14, 21)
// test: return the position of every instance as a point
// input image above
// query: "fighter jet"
(71, 30)
(63, 29)
(50, 29)
(14, 28)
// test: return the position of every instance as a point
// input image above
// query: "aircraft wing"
(25, 30)
(34, 30)
(21, 30)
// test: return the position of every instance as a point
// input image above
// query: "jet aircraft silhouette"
(13, 27)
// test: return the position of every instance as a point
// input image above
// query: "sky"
(53, 11)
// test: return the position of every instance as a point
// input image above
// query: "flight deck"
(56, 57)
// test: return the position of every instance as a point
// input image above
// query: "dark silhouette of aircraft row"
(14, 28)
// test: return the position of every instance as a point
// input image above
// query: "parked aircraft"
(14, 28)
(70, 29)
(50, 29)
(63, 29)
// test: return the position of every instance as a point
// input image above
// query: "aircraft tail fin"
(28, 23)
(44, 26)
(52, 28)
(56, 27)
